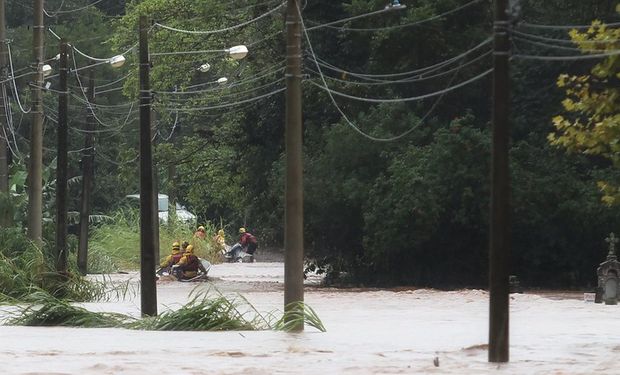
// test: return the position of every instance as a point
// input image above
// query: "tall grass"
(202, 313)
(115, 245)
(28, 272)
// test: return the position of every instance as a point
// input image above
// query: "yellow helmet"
(220, 232)
(189, 249)
(241, 230)
(201, 228)
(176, 246)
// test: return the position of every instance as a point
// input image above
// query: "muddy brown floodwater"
(368, 332)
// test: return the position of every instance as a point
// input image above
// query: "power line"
(426, 69)
(74, 48)
(14, 84)
(57, 12)
(562, 41)
(547, 45)
(393, 27)
(208, 32)
(418, 78)
(567, 58)
(346, 118)
(194, 109)
(562, 27)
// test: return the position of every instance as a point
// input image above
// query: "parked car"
(183, 215)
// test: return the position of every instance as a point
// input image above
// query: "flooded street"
(368, 332)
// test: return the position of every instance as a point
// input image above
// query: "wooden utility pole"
(500, 234)
(148, 288)
(293, 228)
(88, 176)
(35, 170)
(61, 164)
(4, 116)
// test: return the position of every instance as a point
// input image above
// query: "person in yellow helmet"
(247, 244)
(189, 264)
(172, 259)
(219, 241)
(200, 233)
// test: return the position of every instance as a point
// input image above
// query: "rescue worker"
(184, 246)
(189, 264)
(248, 242)
(172, 259)
(219, 241)
(200, 233)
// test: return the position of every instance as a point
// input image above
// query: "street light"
(222, 80)
(117, 61)
(237, 52)
(204, 67)
(46, 69)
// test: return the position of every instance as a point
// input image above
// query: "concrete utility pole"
(148, 288)
(293, 228)
(499, 250)
(88, 176)
(35, 170)
(155, 189)
(61, 164)
(4, 116)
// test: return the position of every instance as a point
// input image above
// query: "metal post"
(293, 228)
(499, 251)
(148, 288)
(35, 170)
(88, 176)
(5, 220)
(61, 164)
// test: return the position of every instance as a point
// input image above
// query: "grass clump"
(201, 313)
(56, 312)
(28, 272)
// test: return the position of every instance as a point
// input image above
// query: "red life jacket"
(193, 263)
(247, 238)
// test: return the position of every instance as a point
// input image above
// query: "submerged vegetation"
(201, 313)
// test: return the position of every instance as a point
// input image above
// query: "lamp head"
(46, 69)
(117, 61)
(238, 52)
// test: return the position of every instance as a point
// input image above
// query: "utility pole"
(5, 220)
(35, 170)
(155, 189)
(88, 176)
(148, 288)
(61, 164)
(500, 233)
(293, 227)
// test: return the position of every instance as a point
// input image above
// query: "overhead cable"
(227, 104)
(346, 118)
(57, 12)
(426, 69)
(393, 27)
(88, 56)
(567, 58)
(548, 45)
(417, 78)
(14, 84)
(208, 32)
(562, 27)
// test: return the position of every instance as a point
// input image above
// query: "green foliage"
(592, 104)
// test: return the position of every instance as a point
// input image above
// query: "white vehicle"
(183, 215)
